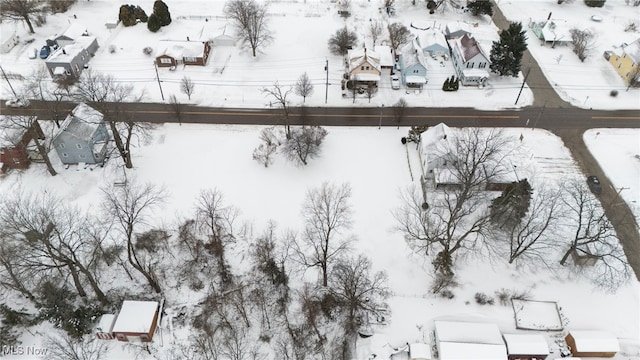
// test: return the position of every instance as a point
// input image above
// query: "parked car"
(32, 53)
(44, 52)
(594, 184)
(395, 82)
(17, 103)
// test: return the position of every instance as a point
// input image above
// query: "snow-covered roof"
(431, 37)
(82, 123)
(475, 73)
(74, 31)
(413, 79)
(471, 351)
(468, 47)
(105, 323)
(458, 26)
(358, 57)
(180, 49)
(526, 344)
(435, 134)
(66, 53)
(412, 54)
(419, 351)
(365, 77)
(556, 30)
(9, 136)
(595, 341)
(468, 332)
(386, 56)
(633, 51)
(136, 316)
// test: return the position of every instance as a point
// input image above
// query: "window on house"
(415, 71)
(619, 65)
(361, 67)
(482, 65)
(367, 68)
(121, 337)
(65, 155)
(77, 68)
(144, 337)
(165, 61)
(79, 146)
(470, 65)
(16, 161)
(189, 59)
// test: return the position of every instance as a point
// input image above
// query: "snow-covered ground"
(188, 158)
(621, 162)
(584, 84)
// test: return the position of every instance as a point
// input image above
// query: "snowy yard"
(375, 164)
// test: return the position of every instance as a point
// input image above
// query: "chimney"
(64, 51)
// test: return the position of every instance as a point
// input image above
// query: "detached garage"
(592, 344)
(526, 346)
(457, 340)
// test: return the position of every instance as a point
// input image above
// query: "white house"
(469, 341)
(363, 66)
(433, 42)
(470, 60)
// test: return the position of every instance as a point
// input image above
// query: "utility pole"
(523, 82)
(158, 78)
(326, 86)
(9, 82)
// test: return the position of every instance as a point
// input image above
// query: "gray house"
(69, 60)
(413, 65)
(83, 137)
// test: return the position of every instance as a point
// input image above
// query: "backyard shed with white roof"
(592, 343)
(457, 340)
(526, 346)
(136, 321)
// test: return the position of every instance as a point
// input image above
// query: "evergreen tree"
(127, 15)
(446, 85)
(509, 208)
(480, 7)
(162, 12)
(506, 54)
(154, 23)
(140, 14)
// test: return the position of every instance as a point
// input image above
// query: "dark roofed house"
(83, 137)
(469, 60)
(17, 148)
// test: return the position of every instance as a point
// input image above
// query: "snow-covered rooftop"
(431, 37)
(633, 51)
(105, 323)
(357, 57)
(180, 49)
(82, 122)
(419, 351)
(468, 332)
(595, 341)
(471, 351)
(526, 344)
(66, 53)
(75, 30)
(386, 56)
(136, 316)
(556, 30)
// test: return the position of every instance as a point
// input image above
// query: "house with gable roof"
(173, 53)
(433, 42)
(413, 65)
(626, 61)
(552, 31)
(363, 66)
(83, 137)
(457, 29)
(470, 60)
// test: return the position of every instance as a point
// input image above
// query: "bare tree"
(399, 110)
(375, 30)
(371, 90)
(250, 19)
(304, 87)
(131, 206)
(52, 97)
(106, 95)
(264, 154)
(594, 237)
(343, 40)
(15, 274)
(280, 97)
(304, 144)
(22, 10)
(52, 236)
(453, 218)
(187, 86)
(327, 214)
(68, 348)
(398, 35)
(583, 43)
(530, 239)
(358, 292)
(28, 125)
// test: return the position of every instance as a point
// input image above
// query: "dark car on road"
(594, 184)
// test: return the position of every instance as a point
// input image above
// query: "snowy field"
(584, 84)
(375, 164)
(621, 162)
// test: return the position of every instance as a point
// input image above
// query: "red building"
(16, 146)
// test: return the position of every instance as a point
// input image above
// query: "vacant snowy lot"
(188, 158)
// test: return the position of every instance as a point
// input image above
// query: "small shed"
(458, 340)
(526, 346)
(105, 326)
(386, 56)
(419, 351)
(136, 321)
(592, 343)
(224, 40)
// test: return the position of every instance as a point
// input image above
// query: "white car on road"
(395, 82)
(17, 103)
